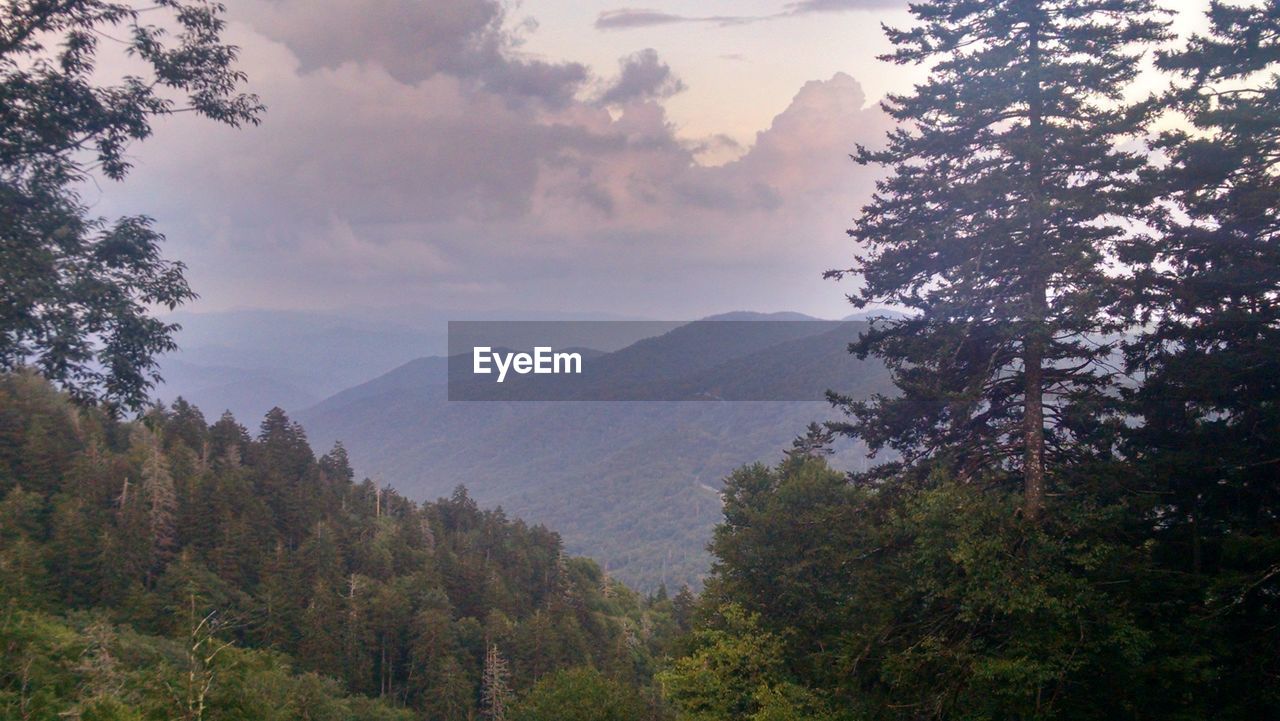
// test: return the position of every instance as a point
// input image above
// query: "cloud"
(381, 180)
(643, 76)
(635, 18)
(805, 7)
(629, 18)
(414, 41)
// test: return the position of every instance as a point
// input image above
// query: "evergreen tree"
(683, 606)
(228, 441)
(495, 694)
(22, 562)
(159, 496)
(1209, 400)
(450, 695)
(995, 230)
(388, 604)
(80, 566)
(815, 443)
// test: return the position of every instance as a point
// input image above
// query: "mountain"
(632, 484)
(249, 361)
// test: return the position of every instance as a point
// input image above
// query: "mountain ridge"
(631, 483)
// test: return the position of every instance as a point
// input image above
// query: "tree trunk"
(1033, 414)
(1037, 289)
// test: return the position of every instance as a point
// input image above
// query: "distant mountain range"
(249, 361)
(632, 484)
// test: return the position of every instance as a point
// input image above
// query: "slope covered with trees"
(141, 560)
(1083, 524)
(631, 484)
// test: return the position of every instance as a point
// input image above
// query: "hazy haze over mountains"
(633, 484)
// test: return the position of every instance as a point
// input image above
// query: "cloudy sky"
(670, 159)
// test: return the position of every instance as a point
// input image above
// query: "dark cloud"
(553, 83)
(414, 40)
(643, 76)
(626, 18)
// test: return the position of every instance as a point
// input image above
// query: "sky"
(662, 160)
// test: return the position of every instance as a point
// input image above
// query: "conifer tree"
(1210, 396)
(450, 697)
(21, 557)
(495, 694)
(1209, 401)
(388, 606)
(994, 230)
(161, 499)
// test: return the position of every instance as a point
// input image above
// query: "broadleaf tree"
(77, 292)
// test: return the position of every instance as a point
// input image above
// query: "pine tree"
(161, 499)
(683, 606)
(1209, 400)
(995, 229)
(1210, 397)
(495, 694)
(280, 610)
(390, 605)
(228, 441)
(451, 695)
(815, 443)
(23, 578)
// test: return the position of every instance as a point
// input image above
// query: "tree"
(933, 602)
(1209, 292)
(161, 499)
(736, 671)
(683, 608)
(22, 562)
(579, 694)
(406, 605)
(203, 649)
(451, 695)
(815, 443)
(75, 290)
(495, 694)
(994, 232)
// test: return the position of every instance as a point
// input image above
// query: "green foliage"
(251, 549)
(84, 667)
(1209, 402)
(75, 290)
(1009, 186)
(1135, 572)
(937, 599)
(736, 670)
(580, 694)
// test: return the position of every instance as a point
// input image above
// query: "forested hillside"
(1084, 522)
(632, 484)
(1075, 510)
(154, 567)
